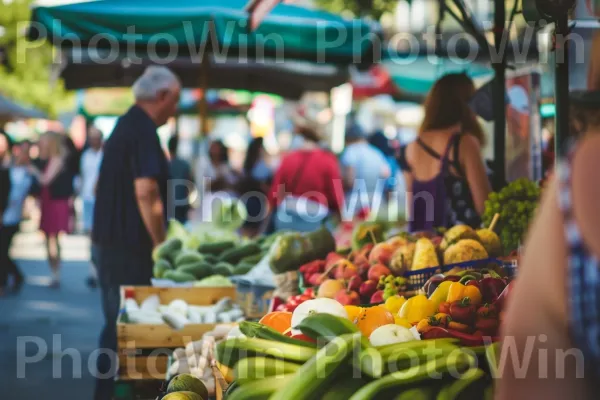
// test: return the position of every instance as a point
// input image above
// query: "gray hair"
(154, 80)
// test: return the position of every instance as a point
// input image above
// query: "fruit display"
(516, 203)
(370, 274)
(326, 355)
(186, 257)
(179, 313)
(466, 306)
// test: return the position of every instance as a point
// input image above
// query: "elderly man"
(131, 195)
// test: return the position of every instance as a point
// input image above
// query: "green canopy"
(418, 75)
(192, 26)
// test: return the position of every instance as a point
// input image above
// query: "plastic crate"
(254, 299)
(416, 279)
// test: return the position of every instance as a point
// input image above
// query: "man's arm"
(151, 209)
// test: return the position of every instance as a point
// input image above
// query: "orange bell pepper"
(458, 292)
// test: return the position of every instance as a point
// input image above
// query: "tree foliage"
(25, 71)
(372, 8)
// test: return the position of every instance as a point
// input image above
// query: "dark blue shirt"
(132, 151)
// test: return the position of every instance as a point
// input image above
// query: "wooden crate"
(144, 349)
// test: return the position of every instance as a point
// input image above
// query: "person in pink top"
(54, 198)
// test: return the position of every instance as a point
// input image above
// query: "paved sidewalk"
(45, 321)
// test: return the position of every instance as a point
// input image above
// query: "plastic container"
(416, 279)
(254, 299)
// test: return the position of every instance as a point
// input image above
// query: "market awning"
(412, 78)
(190, 27)
(12, 110)
(290, 79)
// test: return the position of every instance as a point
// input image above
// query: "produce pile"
(184, 258)
(376, 269)
(516, 203)
(328, 358)
(179, 313)
(191, 370)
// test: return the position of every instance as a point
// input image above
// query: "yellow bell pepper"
(458, 292)
(440, 294)
(402, 322)
(394, 303)
(417, 308)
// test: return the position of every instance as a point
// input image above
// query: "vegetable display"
(179, 313)
(335, 361)
(200, 257)
(516, 203)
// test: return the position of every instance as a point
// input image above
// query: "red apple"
(360, 260)
(345, 270)
(377, 297)
(365, 251)
(382, 254)
(331, 259)
(377, 271)
(347, 298)
(316, 279)
(363, 271)
(367, 289)
(354, 283)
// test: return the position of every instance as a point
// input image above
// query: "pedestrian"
(130, 209)
(89, 169)
(20, 183)
(56, 189)
(307, 187)
(443, 169)
(555, 325)
(181, 176)
(254, 185)
(215, 177)
(365, 171)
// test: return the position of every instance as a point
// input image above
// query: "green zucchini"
(316, 374)
(234, 255)
(216, 248)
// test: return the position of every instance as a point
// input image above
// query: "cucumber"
(252, 369)
(187, 257)
(232, 386)
(324, 327)
(318, 372)
(417, 394)
(260, 390)
(215, 248)
(343, 388)
(234, 255)
(223, 268)
(211, 258)
(253, 259)
(199, 269)
(167, 250)
(230, 351)
(179, 277)
(453, 390)
(413, 375)
(160, 267)
(260, 331)
(242, 269)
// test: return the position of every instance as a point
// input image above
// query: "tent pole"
(562, 86)
(499, 97)
(203, 103)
